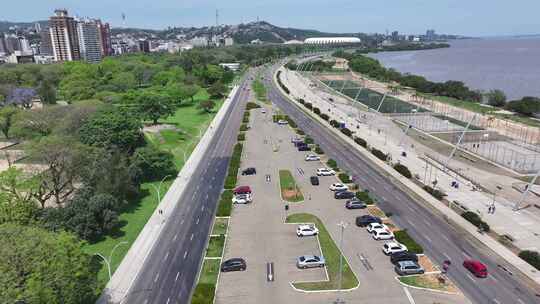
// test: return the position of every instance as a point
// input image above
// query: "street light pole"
(109, 260)
(342, 225)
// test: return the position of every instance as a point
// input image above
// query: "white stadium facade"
(332, 40)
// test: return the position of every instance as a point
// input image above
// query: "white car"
(263, 111)
(242, 199)
(306, 230)
(393, 247)
(374, 226)
(312, 157)
(338, 187)
(382, 234)
(282, 122)
(325, 172)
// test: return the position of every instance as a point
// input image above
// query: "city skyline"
(481, 18)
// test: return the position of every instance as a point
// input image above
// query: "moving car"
(374, 226)
(408, 267)
(249, 171)
(344, 195)
(314, 180)
(325, 172)
(364, 220)
(476, 267)
(393, 247)
(282, 122)
(306, 230)
(403, 256)
(382, 234)
(338, 187)
(242, 190)
(234, 264)
(304, 148)
(310, 261)
(355, 203)
(242, 199)
(312, 157)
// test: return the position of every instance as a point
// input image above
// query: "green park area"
(290, 191)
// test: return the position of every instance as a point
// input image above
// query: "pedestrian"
(493, 209)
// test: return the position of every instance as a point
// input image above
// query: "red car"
(476, 267)
(242, 190)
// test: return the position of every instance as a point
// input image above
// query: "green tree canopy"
(7, 115)
(153, 106)
(526, 106)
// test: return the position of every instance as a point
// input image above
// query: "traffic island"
(290, 192)
(220, 226)
(331, 254)
(215, 246)
(432, 281)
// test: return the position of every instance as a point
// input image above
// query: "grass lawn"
(289, 189)
(215, 247)
(331, 253)
(210, 271)
(189, 120)
(220, 226)
(429, 281)
(260, 90)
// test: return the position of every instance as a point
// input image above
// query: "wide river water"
(508, 64)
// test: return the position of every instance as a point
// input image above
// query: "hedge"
(325, 116)
(347, 132)
(308, 140)
(334, 123)
(404, 238)
(243, 127)
(241, 136)
(245, 120)
(434, 192)
(203, 294)
(281, 83)
(225, 203)
(475, 219)
(365, 197)
(291, 122)
(332, 164)
(360, 141)
(379, 154)
(302, 101)
(344, 178)
(531, 257)
(318, 150)
(403, 170)
(300, 132)
(252, 105)
(308, 105)
(317, 111)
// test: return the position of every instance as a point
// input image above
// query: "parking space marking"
(270, 272)
(446, 256)
(470, 278)
(181, 222)
(202, 208)
(409, 296)
(191, 238)
(176, 278)
(364, 261)
(428, 239)
(185, 254)
(197, 223)
(166, 256)
(496, 301)
(520, 301)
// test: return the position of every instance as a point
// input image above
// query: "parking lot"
(258, 234)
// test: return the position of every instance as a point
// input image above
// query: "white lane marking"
(145, 301)
(470, 278)
(446, 238)
(223, 152)
(202, 208)
(213, 178)
(426, 222)
(428, 239)
(197, 223)
(168, 300)
(198, 186)
(156, 277)
(466, 255)
(496, 301)
(193, 196)
(210, 186)
(520, 301)
(177, 274)
(191, 238)
(174, 238)
(182, 221)
(206, 196)
(166, 256)
(446, 256)
(409, 296)
(185, 254)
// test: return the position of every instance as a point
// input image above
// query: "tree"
(526, 106)
(496, 98)
(123, 81)
(154, 106)
(16, 202)
(7, 115)
(37, 266)
(153, 163)
(47, 92)
(38, 122)
(191, 91)
(206, 105)
(217, 90)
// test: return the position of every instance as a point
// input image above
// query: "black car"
(234, 264)
(403, 256)
(304, 148)
(249, 171)
(344, 195)
(355, 203)
(314, 180)
(364, 220)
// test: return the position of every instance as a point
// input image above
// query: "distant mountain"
(5, 25)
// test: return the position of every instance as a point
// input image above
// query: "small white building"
(231, 66)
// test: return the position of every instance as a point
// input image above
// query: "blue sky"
(467, 17)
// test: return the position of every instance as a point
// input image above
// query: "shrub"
(245, 120)
(434, 192)
(344, 178)
(365, 197)
(334, 123)
(317, 111)
(308, 105)
(332, 164)
(360, 141)
(531, 257)
(252, 105)
(301, 101)
(243, 127)
(203, 294)
(347, 132)
(241, 136)
(325, 116)
(379, 154)
(225, 204)
(153, 163)
(230, 181)
(300, 132)
(403, 170)
(475, 219)
(281, 83)
(291, 122)
(308, 140)
(318, 150)
(404, 238)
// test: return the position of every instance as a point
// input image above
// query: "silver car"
(408, 267)
(310, 261)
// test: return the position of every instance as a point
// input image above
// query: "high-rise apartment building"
(89, 40)
(3, 46)
(45, 47)
(105, 38)
(64, 37)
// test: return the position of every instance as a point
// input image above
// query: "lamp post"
(109, 260)
(159, 187)
(342, 225)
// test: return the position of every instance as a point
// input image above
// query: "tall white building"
(89, 40)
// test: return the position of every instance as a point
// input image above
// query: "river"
(509, 64)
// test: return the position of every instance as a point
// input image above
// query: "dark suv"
(304, 148)
(314, 180)
(364, 220)
(344, 195)
(249, 171)
(234, 264)
(403, 256)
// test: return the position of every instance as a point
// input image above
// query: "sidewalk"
(384, 135)
(127, 272)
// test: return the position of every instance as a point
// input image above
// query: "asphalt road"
(439, 239)
(170, 271)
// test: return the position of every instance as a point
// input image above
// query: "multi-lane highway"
(440, 240)
(170, 271)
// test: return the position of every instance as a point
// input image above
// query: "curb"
(423, 288)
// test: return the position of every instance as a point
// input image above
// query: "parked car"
(374, 226)
(382, 234)
(306, 230)
(310, 261)
(249, 171)
(312, 157)
(242, 190)
(234, 264)
(338, 187)
(408, 267)
(393, 247)
(325, 172)
(304, 148)
(296, 141)
(476, 267)
(364, 220)
(242, 199)
(344, 195)
(403, 256)
(314, 180)
(355, 203)
(282, 122)
(263, 110)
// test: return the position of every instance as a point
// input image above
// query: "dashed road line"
(202, 208)
(191, 238)
(197, 223)
(156, 277)
(496, 301)
(174, 238)
(428, 239)
(470, 278)
(177, 275)
(168, 300)
(166, 256)
(185, 254)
